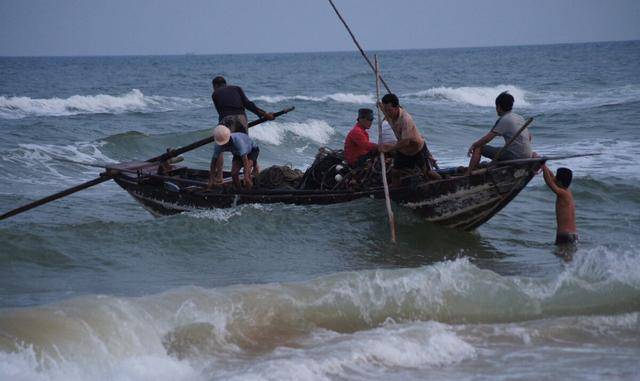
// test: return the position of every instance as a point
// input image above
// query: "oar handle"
(179, 151)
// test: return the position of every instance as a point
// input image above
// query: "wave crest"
(475, 96)
(133, 101)
(336, 97)
(274, 133)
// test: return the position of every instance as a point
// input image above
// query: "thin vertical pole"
(383, 165)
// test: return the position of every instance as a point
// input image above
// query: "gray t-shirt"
(507, 126)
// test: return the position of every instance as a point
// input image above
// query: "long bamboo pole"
(358, 46)
(383, 165)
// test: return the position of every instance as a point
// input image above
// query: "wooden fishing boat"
(456, 201)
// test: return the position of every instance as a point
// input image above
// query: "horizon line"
(312, 52)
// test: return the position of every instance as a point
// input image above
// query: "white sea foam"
(475, 96)
(336, 97)
(318, 131)
(334, 326)
(133, 101)
(413, 346)
(32, 158)
(224, 215)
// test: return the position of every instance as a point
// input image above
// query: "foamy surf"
(133, 101)
(336, 97)
(317, 131)
(337, 326)
(37, 163)
(475, 96)
(225, 215)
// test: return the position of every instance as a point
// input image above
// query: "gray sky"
(113, 27)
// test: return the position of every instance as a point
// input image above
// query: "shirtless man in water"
(565, 207)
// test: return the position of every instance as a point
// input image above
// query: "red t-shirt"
(357, 144)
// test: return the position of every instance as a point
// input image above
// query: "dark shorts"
(402, 161)
(490, 152)
(236, 123)
(253, 156)
(566, 238)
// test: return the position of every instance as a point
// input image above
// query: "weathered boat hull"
(460, 202)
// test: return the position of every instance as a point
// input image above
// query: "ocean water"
(92, 287)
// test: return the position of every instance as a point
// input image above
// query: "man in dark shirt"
(231, 102)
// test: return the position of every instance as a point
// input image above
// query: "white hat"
(221, 134)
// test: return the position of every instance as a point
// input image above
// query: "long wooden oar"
(383, 165)
(112, 172)
(358, 46)
(179, 151)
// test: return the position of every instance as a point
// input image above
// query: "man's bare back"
(565, 212)
(565, 206)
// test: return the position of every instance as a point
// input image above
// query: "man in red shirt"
(357, 143)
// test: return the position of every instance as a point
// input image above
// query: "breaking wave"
(475, 96)
(315, 329)
(274, 133)
(337, 97)
(133, 101)
(35, 163)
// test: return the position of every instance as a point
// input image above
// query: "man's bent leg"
(235, 172)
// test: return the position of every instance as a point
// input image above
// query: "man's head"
(563, 177)
(504, 102)
(391, 105)
(365, 117)
(221, 134)
(218, 81)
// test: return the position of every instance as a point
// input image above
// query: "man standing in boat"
(410, 150)
(245, 155)
(357, 145)
(231, 102)
(507, 126)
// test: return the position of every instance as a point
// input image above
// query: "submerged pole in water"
(383, 165)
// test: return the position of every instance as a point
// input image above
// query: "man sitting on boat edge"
(245, 154)
(411, 149)
(506, 126)
(357, 145)
(231, 102)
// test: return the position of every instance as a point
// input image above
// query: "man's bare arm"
(550, 180)
(482, 141)
(394, 147)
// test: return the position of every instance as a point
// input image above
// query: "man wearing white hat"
(245, 155)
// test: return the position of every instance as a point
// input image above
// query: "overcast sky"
(114, 27)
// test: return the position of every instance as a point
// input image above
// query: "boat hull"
(460, 202)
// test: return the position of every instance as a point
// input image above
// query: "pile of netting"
(278, 177)
(330, 171)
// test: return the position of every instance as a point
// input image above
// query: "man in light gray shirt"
(506, 126)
